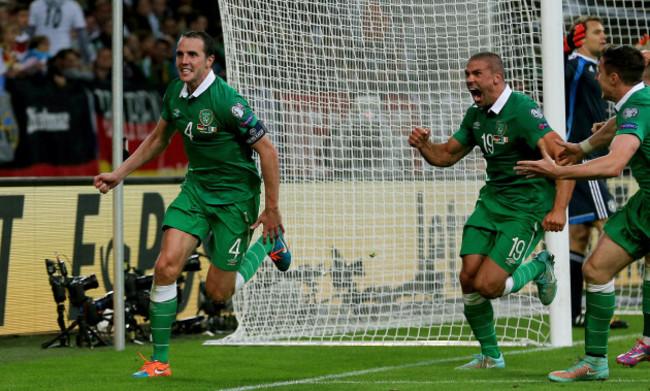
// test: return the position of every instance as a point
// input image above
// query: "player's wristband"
(586, 146)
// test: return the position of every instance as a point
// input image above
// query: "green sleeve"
(464, 133)
(532, 123)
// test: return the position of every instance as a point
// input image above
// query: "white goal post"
(375, 232)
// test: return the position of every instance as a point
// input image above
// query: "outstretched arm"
(623, 147)
(573, 153)
(270, 218)
(439, 155)
(151, 147)
(556, 219)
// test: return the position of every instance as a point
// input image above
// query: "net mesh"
(375, 232)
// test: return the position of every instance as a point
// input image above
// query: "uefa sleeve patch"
(628, 126)
(255, 133)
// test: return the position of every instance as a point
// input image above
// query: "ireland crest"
(206, 117)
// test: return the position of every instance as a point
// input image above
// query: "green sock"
(481, 319)
(525, 273)
(161, 316)
(600, 309)
(254, 257)
(646, 306)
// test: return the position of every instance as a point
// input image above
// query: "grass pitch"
(25, 366)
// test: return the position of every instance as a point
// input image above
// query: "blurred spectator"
(102, 11)
(171, 28)
(58, 20)
(105, 37)
(37, 56)
(194, 21)
(19, 15)
(211, 10)
(103, 65)
(144, 19)
(160, 9)
(9, 64)
(91, 26)
(68, 64)
(159, 68)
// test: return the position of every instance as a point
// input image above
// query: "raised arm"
(151, 147)
(439, 155)
(270, 218)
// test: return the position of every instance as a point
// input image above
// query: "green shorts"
(629, 227)
(228, 224)
(507, 238)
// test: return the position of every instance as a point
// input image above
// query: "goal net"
(375, 231)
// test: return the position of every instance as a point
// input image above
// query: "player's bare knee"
(488, 289)
(466, 281)
(219, 294)
(166, 271)
(594, 275)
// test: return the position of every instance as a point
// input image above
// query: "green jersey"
(508, 132)
(218, 128)
(633, 117)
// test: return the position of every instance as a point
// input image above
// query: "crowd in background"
(68, 39)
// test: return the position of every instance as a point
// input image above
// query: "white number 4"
(235, 248)
(188, 131)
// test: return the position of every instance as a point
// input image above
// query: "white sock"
(163, 293)
(509, 284)
(239, 282)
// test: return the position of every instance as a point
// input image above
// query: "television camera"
(89, 311)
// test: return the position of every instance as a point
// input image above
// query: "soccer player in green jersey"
(220, 197)
(627, 232)
(510, 213)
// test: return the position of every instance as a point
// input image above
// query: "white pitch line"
(325, 378)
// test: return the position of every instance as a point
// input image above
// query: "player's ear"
(210, 61)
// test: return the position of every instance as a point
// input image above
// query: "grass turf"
(25, 366)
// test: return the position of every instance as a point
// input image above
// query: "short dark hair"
(584, 19)
(494, 61)
(208, 43)
(626, 61)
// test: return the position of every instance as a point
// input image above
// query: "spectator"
(144, 18)
(9, 64)
(20, 16)
(37, 56)
(105, 37)
(68, 64)
(160, 9)
(103, 65)
(158, 68)
(171, 28)
(196, 22)
(70, 20)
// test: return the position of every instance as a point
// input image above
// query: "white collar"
(501, 101)
(576, 54)
(202, 87)
(627, 96)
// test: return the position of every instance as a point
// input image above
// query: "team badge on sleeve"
(237, 110)
(537, 113)
(630, 112)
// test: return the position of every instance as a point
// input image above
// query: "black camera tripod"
(85, 332)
